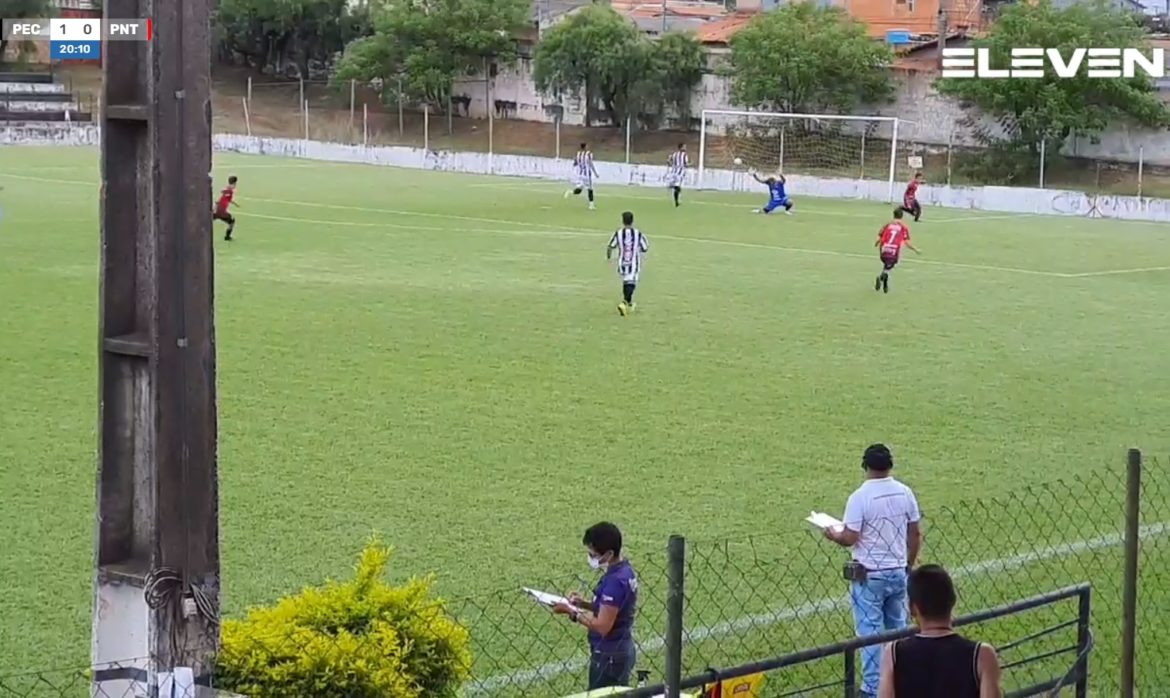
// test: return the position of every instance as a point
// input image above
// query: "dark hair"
(932, 592)
(917, 174)
(898, 212)
(584, 146)
(627, 218)
(604, 537)
(232, 179)
(681, 146)
(877, 457)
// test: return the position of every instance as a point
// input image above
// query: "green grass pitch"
(438, 357)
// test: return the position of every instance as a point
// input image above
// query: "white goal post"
(818, 145)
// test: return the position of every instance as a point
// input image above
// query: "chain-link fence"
(498, 117)
(716, 604)
(1075, 166)
(477, 121)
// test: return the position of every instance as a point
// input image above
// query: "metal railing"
(733, 602)
(1078, 674)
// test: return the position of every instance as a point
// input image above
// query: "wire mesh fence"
(1074, 166)
(762, 597)
(501, 119)
(357, 114)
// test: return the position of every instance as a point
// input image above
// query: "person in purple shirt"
(609, 617)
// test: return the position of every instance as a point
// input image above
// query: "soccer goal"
(819, 145)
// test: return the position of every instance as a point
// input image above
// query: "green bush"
(360, 639)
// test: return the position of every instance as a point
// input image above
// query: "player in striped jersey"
(631, 246)
(677, 172)
(583, 174)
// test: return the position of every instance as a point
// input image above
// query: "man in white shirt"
(881, 526)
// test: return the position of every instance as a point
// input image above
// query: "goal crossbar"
(712, 139)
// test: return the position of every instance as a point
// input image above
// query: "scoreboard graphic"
(73, 39)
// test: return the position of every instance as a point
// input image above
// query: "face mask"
(595, 562)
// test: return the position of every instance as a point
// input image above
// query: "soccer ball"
(738, 161)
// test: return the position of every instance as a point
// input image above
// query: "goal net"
(851, 147)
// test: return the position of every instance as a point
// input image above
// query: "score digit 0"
(76, 30)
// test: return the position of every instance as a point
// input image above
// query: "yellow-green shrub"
(358, 639)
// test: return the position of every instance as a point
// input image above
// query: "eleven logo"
(1035, 62)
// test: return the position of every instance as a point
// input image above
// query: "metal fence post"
(676, 551)
(1084, 617)
(950, 154)
(400, 119)
(1141, 163)
(850, 675)
(1133, 491)
(1043, 155)
(627, 140)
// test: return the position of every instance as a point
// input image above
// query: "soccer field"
(438, 357)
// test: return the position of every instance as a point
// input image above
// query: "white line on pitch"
(339, 207)
(552, 229)
(780, 615)
(94, 169)
(700, 202)
(642, 197)
(400, 226)
(570, 232)
(1118, 272)
(50, 180)
(420, 214)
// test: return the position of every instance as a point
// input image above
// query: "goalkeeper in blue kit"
(777, 196)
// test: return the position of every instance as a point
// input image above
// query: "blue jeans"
(879, 604)
(612, 667)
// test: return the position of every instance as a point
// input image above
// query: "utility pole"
(942, 29)
(156, 595)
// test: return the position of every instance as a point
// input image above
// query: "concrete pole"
(156, 591)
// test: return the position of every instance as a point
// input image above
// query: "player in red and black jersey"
(891, 239)
(910, 198)
(226, 199)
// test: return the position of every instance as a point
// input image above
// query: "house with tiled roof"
(912, 27)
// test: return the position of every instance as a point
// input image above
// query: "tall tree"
(805, 58)
(677, 65)
(1052, 109)
(429, 44)
(602, 54)
(274, 31)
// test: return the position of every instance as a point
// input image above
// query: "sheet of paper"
(823, 520)
(546, 599)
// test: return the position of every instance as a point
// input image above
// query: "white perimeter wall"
(1006, 199)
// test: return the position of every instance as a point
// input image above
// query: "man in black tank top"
(937, 661)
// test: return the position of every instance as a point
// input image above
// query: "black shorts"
(889, 260)
(912, 206)
(225, 217)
